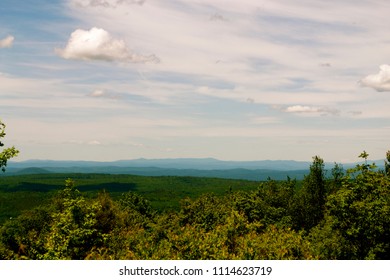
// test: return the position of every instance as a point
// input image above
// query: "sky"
(107, 80)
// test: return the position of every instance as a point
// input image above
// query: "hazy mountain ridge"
(182, 163)
(179, 163)
(204, 167)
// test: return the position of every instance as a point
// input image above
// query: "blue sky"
(234, 80)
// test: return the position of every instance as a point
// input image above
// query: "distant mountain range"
(179, 163)
(203, 167)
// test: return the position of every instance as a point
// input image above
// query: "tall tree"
(7, 153)
(311, 202)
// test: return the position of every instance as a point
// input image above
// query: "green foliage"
(361, 212)
(276, 243)
(269, 204)
(206, 212)
(138, 211)
(327, 242)
(74, 230)
(7, 153)
(337, 177)
(108, 214)
(132, 201)
(24, 236)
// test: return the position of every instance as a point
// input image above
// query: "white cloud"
(7, 42)
(379, 81)
(302, 109)
(98, 44)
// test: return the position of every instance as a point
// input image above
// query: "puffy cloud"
(7, 42)
(301, 109)
(98, 44)
(380, 81)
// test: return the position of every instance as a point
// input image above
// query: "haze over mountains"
(202, 167)
(179, 163)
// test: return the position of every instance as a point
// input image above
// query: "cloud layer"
(379, 81)
(98, 44)
(247, 80)
(7, 42)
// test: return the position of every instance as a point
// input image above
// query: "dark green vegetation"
(236, 173)
(19, 193)
(342, 216)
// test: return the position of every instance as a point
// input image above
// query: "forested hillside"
(346, 216)
(24, 192)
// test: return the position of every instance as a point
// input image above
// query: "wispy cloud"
(107, 3)
(7, 42)
(98, 44)
(379, 81)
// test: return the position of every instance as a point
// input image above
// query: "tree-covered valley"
(330, 214)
